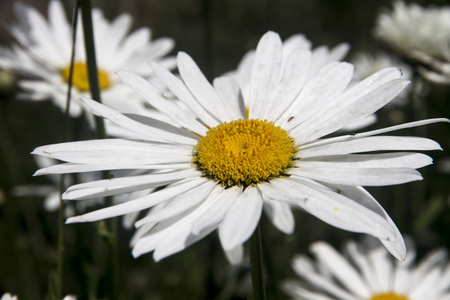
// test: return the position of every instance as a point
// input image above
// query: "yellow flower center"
(244, 152)
(80, 77)
(388, 296)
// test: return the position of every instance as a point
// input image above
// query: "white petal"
(280, 214)
(345, 213)
(228, 90)
(76, 168)
(157, 100)
(324, 124)
(138, 204)
(199, 86)
(383, 160)
(113, 186)
(358, 176)
(241, 219)
(315, 94)
(374, 132)
(177, 87)
(265, 73)
(293, 78)
(217, 212)
(371, 143)
(116, 152)
(146, 132)
(180, 204)
(340, 268)
(235, 256)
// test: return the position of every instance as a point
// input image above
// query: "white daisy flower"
(410, 27)
(367, 272)
(422, 35)
(8, 296)
(221, 170)
(43, 52)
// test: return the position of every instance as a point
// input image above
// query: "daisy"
(8, 296)
(422, 35)
(368, 272)
(411, 27)
(222, 169)
(43, 50)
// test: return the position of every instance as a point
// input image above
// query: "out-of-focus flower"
(420, 34)
(410, 27)
(43, 50)
(222, 168)
(366, 271)
(8, 296)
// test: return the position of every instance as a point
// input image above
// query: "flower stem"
(256, 264)
(94, 86)
(88, 31)
(60, 258)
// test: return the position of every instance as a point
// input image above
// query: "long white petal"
(177, 87)
(217, 212)
(293, 78)
(371, 143)
(114, 186)
(280, 214)
(353, 136)
(180, 204)
(157, 100)
(138, 204)
(241, 219)
(382, 160)
(265, 73)
(339, 267)
(146, 132)
(199, 86)
(359, 176)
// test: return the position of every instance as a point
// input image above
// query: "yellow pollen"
(388, 296)
(245, 152)
(80, 77)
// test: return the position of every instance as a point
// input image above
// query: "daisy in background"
(366, 271)
(8, 296)
(420, 34)
(223, 168)
(43, 50)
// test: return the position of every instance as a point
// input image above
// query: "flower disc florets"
(80, 77)
(245, 152)
(388, 296)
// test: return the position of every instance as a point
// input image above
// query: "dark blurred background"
(216, 34)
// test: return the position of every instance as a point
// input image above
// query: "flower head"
(410, 27)
(221, 168)
(43, 51)
(367, 271)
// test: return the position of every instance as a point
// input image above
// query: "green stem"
(88, 31)
(256, 264)
(60, 260)
(94, 86)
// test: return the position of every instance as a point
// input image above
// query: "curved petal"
(241, 219)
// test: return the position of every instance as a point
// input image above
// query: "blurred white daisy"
(420, 33)
(411, 27)
(8, 296)
(366, 271)
(43, 50)
(222, 169)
